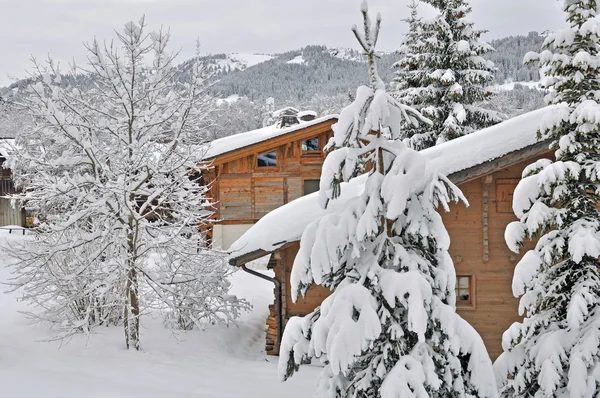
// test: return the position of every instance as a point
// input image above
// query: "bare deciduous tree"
(113, 173)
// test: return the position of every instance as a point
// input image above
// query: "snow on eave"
(287, 223)
(488, 144)
(307, 113)
(234, 142)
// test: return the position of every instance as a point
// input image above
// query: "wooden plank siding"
(235, 198)
(9, 215)
(477, 248)
(245, 192)
(294, 187)
(268, 195)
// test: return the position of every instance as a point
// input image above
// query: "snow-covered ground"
(229, 100)
(348, 54)
(508, 86)
(297, 60)
(249, 60)
(219, 362)
(239, 61)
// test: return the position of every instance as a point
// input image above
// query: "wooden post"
(486, 240)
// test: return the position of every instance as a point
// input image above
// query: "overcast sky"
(59, 27)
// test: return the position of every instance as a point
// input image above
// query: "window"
(311, 186)
(310, 145)
(268, 159)
(464, 291)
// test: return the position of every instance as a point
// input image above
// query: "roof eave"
(518, 156)
(301, 127)
(256, 254)
(247, 257)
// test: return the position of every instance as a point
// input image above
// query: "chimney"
(286, 117)
(307, 116)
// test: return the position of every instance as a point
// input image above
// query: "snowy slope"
(248, 60)
(347, 54)
(511, 86)
(270, 232)
(297, 60)
(220, 64)
(239, 61)
(218, 363)
(229, 100)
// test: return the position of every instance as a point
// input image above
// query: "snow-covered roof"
(286, 110)
(287, 223)
(242, 140)
(307, 113)
(6, 146)
(487, 144)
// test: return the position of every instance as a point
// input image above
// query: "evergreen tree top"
(444, 75)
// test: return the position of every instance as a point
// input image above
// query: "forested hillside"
(317, 78)
(299, 75)
(509, 55)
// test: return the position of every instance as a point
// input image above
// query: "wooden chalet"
(258, 171)
(487, 166)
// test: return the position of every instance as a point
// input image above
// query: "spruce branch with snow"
(555, 351)
(390, 328)
(113, 173)
(408, 64)
(444, 75)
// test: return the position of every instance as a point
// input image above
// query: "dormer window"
(268, 159)
(310, 145)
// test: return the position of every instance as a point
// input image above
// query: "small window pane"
(311, 144)
(463, 290)
(311, 186)
(267, 159)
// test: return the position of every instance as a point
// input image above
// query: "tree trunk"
(131, 316)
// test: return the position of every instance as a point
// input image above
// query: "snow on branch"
(390, 325)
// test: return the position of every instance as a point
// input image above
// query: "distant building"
(258, 171)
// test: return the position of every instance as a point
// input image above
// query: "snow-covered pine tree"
(555, 351)
(409, 75)
(389, 329)
(112, 173)
(443, 74)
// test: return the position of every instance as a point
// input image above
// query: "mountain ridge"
(324, 79)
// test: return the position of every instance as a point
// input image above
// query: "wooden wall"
(477, 248)
(8, 214)
(246, 192)
(305, 304)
